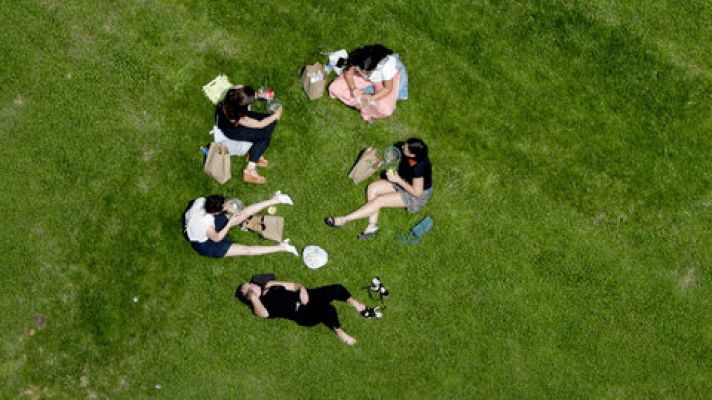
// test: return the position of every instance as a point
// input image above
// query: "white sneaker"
(290, 249)
(283, 198)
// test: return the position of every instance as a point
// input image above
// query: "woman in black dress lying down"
(307, 307)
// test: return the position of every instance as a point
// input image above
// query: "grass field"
(572, 250)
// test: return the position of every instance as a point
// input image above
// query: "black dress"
(282, 303)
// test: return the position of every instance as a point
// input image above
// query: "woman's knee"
(340, 292)
(339, 88)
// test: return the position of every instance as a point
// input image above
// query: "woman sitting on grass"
(206, 227)
(237, 122)
(409, 187)
(371, 81)
(307, 307)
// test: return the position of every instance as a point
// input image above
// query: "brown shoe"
(251, 176)
(262, 162)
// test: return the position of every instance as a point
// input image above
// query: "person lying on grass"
(306, 307)
(237, 122)
(370, 81)
(206, 227)
(410, 188)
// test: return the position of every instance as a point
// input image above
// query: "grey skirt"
(412, 203)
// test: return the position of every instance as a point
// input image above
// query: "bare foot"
(355, 304)
(345, 337)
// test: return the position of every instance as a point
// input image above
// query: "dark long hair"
(214, 203)
(236, 102)
(418, 148)
(368, 57)
(239, 296)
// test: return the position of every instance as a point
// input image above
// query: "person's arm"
(257, 307)
(349, 76)
(216, 236)
(387, 89)
(259, 124)
(292, 287)
(416, 189)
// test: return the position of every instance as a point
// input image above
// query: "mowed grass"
(571, 251)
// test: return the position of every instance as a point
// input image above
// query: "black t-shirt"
(423, 169)
(280, 302)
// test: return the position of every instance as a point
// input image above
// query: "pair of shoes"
(331, 221)
(290, 249)
(251, 176)
(366, 235)
(262, 162)
(283, 198)
(371, 313)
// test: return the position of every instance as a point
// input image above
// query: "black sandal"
(331, 222)
(371, 313)
(366, 235)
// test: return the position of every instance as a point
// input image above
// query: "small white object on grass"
(158, 386)
(135, 299)
(314, 257)
(272, 210)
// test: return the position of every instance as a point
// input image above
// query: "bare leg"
(357, 305)
(375, 189)
(345, 337)
(242, 250)
(253, 209)
(370, 210)
(378, 188)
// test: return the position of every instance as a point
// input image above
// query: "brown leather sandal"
(251, 176)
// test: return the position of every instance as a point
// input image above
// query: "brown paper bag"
(217, 163)
(268, 226)
(314, 80)
(367, 165)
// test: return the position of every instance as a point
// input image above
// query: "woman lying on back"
(307, 307)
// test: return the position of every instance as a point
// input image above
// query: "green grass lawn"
(572, 250)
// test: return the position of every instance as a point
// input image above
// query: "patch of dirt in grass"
(50, 5)
(40, 320)
(689, 280)
(147, 154)
(34, 392)
(682, 61)
(220, 40)
(600, 219)
(8, 113)
(144, 184)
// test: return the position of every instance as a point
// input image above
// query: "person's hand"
(254, 291)
(357, 93)
(267, 94)
(278, 112)
(393, 176)
(303, 295)
(235, 219)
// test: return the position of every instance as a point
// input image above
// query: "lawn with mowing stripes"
(571, 254)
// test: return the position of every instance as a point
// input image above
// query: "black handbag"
(261, 279)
